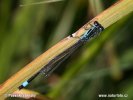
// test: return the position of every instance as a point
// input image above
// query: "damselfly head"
(99, 26)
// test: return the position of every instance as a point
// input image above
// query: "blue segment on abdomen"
(25, 83)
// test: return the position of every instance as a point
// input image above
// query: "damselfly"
(95, 29)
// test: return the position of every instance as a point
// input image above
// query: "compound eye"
(96, 23)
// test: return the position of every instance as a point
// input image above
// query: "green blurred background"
(102, 66)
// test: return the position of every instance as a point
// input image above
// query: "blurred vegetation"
(102, 66)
